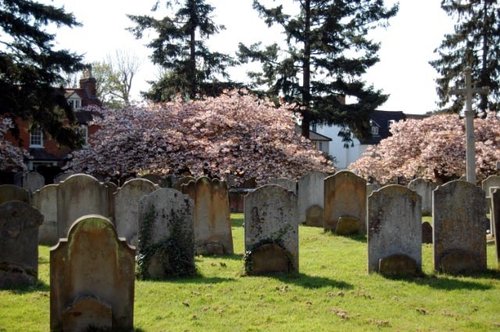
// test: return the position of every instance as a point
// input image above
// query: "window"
(36, 137)
(75, 103)
(84, 131)
(374, 130)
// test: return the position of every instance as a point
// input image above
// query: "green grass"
(332, 292)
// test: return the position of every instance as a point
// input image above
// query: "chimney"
(88, 84)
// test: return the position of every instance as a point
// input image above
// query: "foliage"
(179, 47)
(432, 148)
(234, 136)
(328, 50)
(475, 43)
(11, 156)
(30, 67)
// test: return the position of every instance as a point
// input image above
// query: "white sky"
(403, 71)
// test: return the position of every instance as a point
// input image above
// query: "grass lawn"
(333, 292)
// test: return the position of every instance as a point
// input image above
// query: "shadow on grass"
(444, 282)
(40, 286)
(355, 237)
(237, 222)
(232, 257)
(197, 279)
(310, 282)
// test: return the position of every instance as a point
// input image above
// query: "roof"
(382, 120)
(314, 136)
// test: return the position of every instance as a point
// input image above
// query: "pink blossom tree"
(11, 156)
(234, 135)
(432, 148)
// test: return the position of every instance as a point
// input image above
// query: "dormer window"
(374, 130)
(36, 137)
(75, 103)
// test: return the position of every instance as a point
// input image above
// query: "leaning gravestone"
(79, 195)
(459, 212)
(92, 279)
(424, 188)
(490, 182)
(166, 236)
(10, 192)
(495, 217)
(45, 200)
(211, 217)
(126, 201)
(394, 231)
(19, 224)
(286, 183)
(310, 199)
(271, 231)
(345, 203)
(33, 181)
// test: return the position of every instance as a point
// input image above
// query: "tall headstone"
(424, 188)
(33, 181)
(19, 224)
(459, 212)
(166, 236)
(10, 192)
(490, 182)
(126, 209)
(495, 217)
(77, 196)
(394, 231)
(212, 221)
(345, 203)
(289, 184)
(92, 274)
(310, 199)
(45, 200)
(271, 231)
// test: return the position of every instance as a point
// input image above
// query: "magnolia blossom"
(234, 135)
(432, 148)
(11, 156)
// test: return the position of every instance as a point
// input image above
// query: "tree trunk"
(306, 70)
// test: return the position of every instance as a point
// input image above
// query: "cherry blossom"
(11, 156)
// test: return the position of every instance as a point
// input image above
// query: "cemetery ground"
(332, 292)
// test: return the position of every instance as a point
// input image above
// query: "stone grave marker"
(271, 231)
(491, 181)
(394, 231)
(424, 188)
(19, 224)
(310, 199)
(62, 176)
(166, 235)
(45, 200)
(495, 218)
(10, 192)
(182, 181)
(459, 212)
(426, 232)
(111, 189)
(345, 203)
(92, 279)
(211, 216)
(33, 181)
(126, 201)
(289, 184)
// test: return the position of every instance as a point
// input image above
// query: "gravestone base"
(88, 314)
(460, 262)
(268, 258)
(426, 232)
(314, 216)
(12, 276)
(398, 265)
(210, 248)
(347, 225)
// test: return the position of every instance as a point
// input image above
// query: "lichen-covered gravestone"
(424, 188)
(45, 200)
(310, 199)
(92, 279)
(211, 216)
(126, 210)
(271, 231)
(33, 181)
(459, 212)
(10, 192)
(394, 231)
(19, 224)
(286, 183)
(345, 203)
(495, 217)
(166, 238)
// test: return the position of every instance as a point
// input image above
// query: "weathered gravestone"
(271, 231)
(62, 176)
(10, 192)
(288, 184)
(426, 232)
(45, 200)
(394, 231)
(166, 235)
(310, 199)
(459, 212)
(111, 189)
(126, 201)
(491, 182)
(182, 181)
(19, 224)
(424, 188)
(495, 217)
(345, 203)
(77, 196)
(92, 279)
(211, 216)
(33, 181)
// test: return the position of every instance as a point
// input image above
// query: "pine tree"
(190, 68)
(327, 51)
(30, 68)
(475, 43)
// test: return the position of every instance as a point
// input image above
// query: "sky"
(403, 72)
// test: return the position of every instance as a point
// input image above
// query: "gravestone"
(62, 176)
(491, 181)
(166, 235)
(345, 196)
(33, 181)
(111, 189)
(92, 279)
(45, 200)
(371, 187)
(211, 216)
(19, 224)
(310, 199)
(459, 212)
(271, 231)
(10, 192)
(426, 232)
(288, 184)
(394, 231)
(182, 181)
(424, 188)
(495, 218)
(126, 201)
(77, 196)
